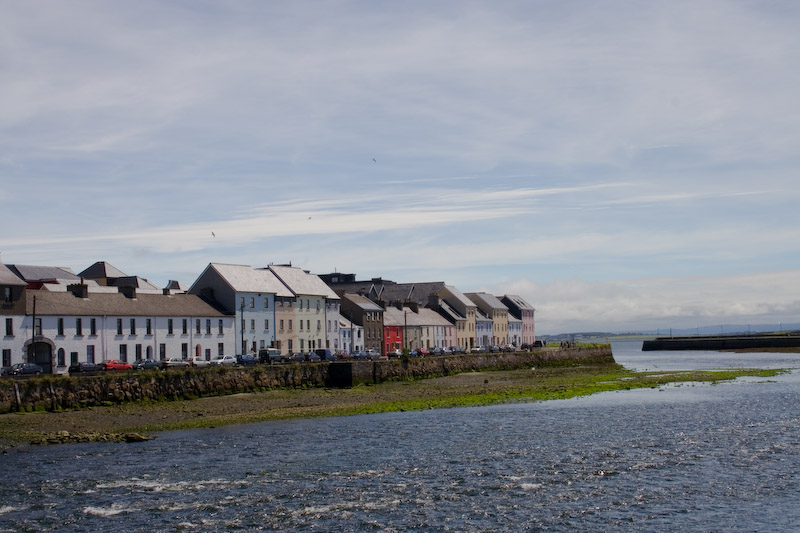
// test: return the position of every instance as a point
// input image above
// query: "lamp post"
(241, 326)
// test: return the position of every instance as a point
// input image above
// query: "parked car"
(372, 353)
(246, 359)
(270, 355)
(447, 351)
(423, 352)
(115, 365)
(223, 360)
(325, 354)
(299, 357)
(436, 350)
(199, 362)
(508, 348)
(397, 352)
(85, 368)
(147, 364)
(175, 362)
(360, 355)
(23, 369)
(479, 349)
(312, 356)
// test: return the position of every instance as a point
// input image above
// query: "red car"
(115, 364)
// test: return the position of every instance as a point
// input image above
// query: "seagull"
(373, 160)
(212, 234)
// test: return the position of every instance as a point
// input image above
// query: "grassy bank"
(135, 421)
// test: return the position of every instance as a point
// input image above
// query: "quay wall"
(68, 392)
(722, 342)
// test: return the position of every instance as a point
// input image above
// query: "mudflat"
(141, 420)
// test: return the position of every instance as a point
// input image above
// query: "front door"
(41, 353)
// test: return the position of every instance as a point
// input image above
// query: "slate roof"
(101, 269)
(393, 316)
(460, 296)
(301, 282)
(116, 304)
(518, 301)
(140, 284)
(244, 278)
(445, 308)
(363, 302)
(7, 277)
(43, 273)
(489, 301)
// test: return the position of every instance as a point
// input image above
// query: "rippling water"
(692, 456)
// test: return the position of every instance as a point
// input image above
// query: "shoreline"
(139, 420)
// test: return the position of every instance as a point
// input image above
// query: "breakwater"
(723, 342)
(63, 392)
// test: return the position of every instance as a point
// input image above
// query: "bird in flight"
(212, 234)
(373, 160)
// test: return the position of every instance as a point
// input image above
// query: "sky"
(621, 165)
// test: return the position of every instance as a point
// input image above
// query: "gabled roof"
(458, 295)
(244, 278)
(517, 301)
(116, 304)
(101, 269)
(301, 282)
(486, 300)
(447, 310)
(43, 273)
(393, 316)
(7, 277)
(364, 303)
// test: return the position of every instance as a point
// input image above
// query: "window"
(281, 325)
(148, 324)
(90, 353)
(308, 325)
(6, 298)
(319, 325)
(290, 324)
(221, 348)
(252, 324)
(62, 357)
(301, 303)
(133, 326)
(37, 327)
(301, 325)
(208, 354)
(208, 326)
(119, 326)
(197, 325)
(79, 327)
(6, 357)
(73, 358)
(184, 350)
(241, 302)
(60, 327)
(244, 324)
(92, 326)
(318, 305)
(169, 326)
(221, 330)
(266, 303)
(162, 351)
(123, 353)
(9, 328)
(138, 351)
(185, 326)
(252, 302)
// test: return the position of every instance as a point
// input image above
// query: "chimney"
(80, 290)
(433, 301)
(129, 292)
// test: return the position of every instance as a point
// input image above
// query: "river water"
(687, 457)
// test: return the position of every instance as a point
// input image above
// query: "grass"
(461, 390)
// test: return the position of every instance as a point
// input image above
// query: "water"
(699, 457)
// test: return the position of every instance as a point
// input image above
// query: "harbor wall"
(68, 392)
(742, 342)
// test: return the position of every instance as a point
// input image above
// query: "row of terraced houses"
(55, 317)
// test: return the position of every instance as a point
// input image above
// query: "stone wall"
(62, 392)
